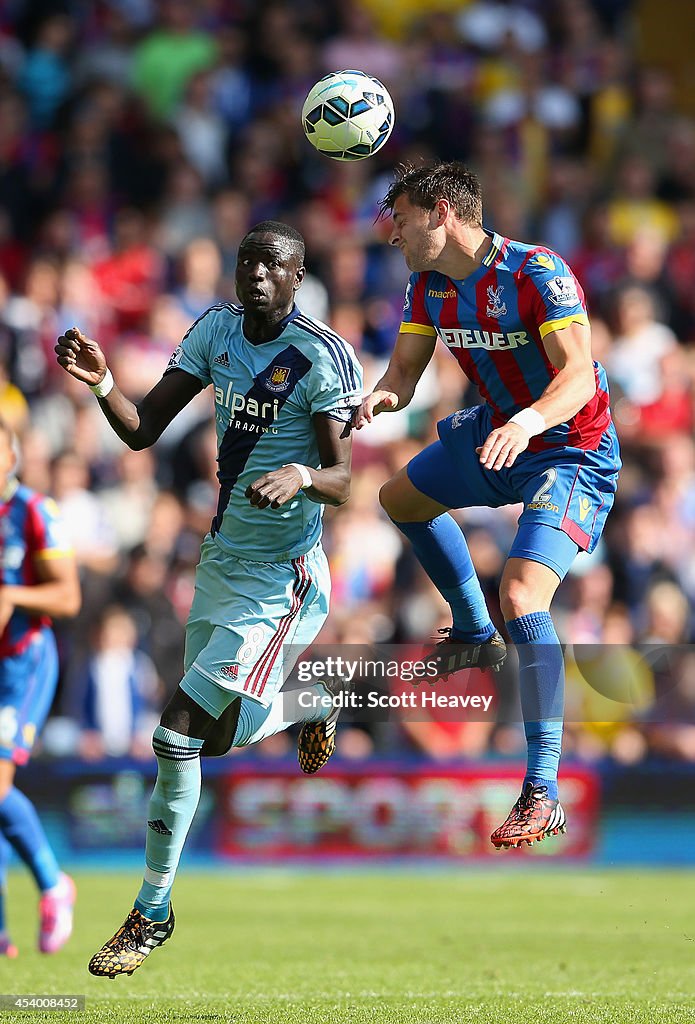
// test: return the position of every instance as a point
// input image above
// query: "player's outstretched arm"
(138, 425)
(411, 354)
(329, 485)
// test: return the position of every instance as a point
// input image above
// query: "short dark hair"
(278, 227)
(425, 185)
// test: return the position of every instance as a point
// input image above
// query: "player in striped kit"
(38, 583)
(513, 316)
(284, 387)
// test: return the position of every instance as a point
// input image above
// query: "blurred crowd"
(140, 139)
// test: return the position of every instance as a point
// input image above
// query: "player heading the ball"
(513, 316)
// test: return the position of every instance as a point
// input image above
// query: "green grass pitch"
(495, 945)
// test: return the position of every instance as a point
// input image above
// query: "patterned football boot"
(452, 655)
(132, 943)
(533, 817)
(316, 740)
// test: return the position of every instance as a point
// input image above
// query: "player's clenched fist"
(274, 489)
(502, 446)
(372, 405)
(81, 356)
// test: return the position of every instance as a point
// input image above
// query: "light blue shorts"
(244, 617)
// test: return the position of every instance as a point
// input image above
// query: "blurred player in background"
(514, 318)
(285, 387)
(39, 583)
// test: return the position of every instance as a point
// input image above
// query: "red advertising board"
(389, 811)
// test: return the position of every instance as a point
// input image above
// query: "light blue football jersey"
(265, 396)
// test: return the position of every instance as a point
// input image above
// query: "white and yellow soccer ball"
(348, 115)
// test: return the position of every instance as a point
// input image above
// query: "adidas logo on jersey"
(457, 338)
(222, 359)
(160, 827)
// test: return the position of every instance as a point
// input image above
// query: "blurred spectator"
(489, 25)
(667, 615)
(635, 206)
(117, 694)
(85, 522)
(131, 276)
(202, 130)
(142, 589)
(633, 359)
(641, 556)
(442, 733)
(14, 409)
(110, 56)
(593, 590)
(357, 46)
(363, 547)
(165, 60)
(680, 269)
(33, 315)
(201, 269)
(230, 81)
(45, 77)
(185, 213)
(231, 218)
(128, 503)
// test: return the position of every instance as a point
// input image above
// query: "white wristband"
(531, 421)
(303, 472)
(102, 389)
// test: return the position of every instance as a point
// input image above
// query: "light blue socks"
(172, 807)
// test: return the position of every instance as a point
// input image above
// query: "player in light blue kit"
(284, 387)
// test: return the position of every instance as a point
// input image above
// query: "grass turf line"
(290, 948)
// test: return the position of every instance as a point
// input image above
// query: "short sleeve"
(47, 534)
(193, 354)
(335, 383)
(556, 296)
(415, 318)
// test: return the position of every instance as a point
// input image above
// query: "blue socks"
(442, 551)
(20, 825)
(172, 807)
(542, 686)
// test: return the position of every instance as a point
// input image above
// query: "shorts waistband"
(273, 558)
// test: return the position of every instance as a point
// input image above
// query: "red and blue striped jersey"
(494, 322)
(30, 529)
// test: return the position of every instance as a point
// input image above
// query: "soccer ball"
(348, 115)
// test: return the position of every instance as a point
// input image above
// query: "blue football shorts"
(248, 620)
(566, 492)
(27, 686)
